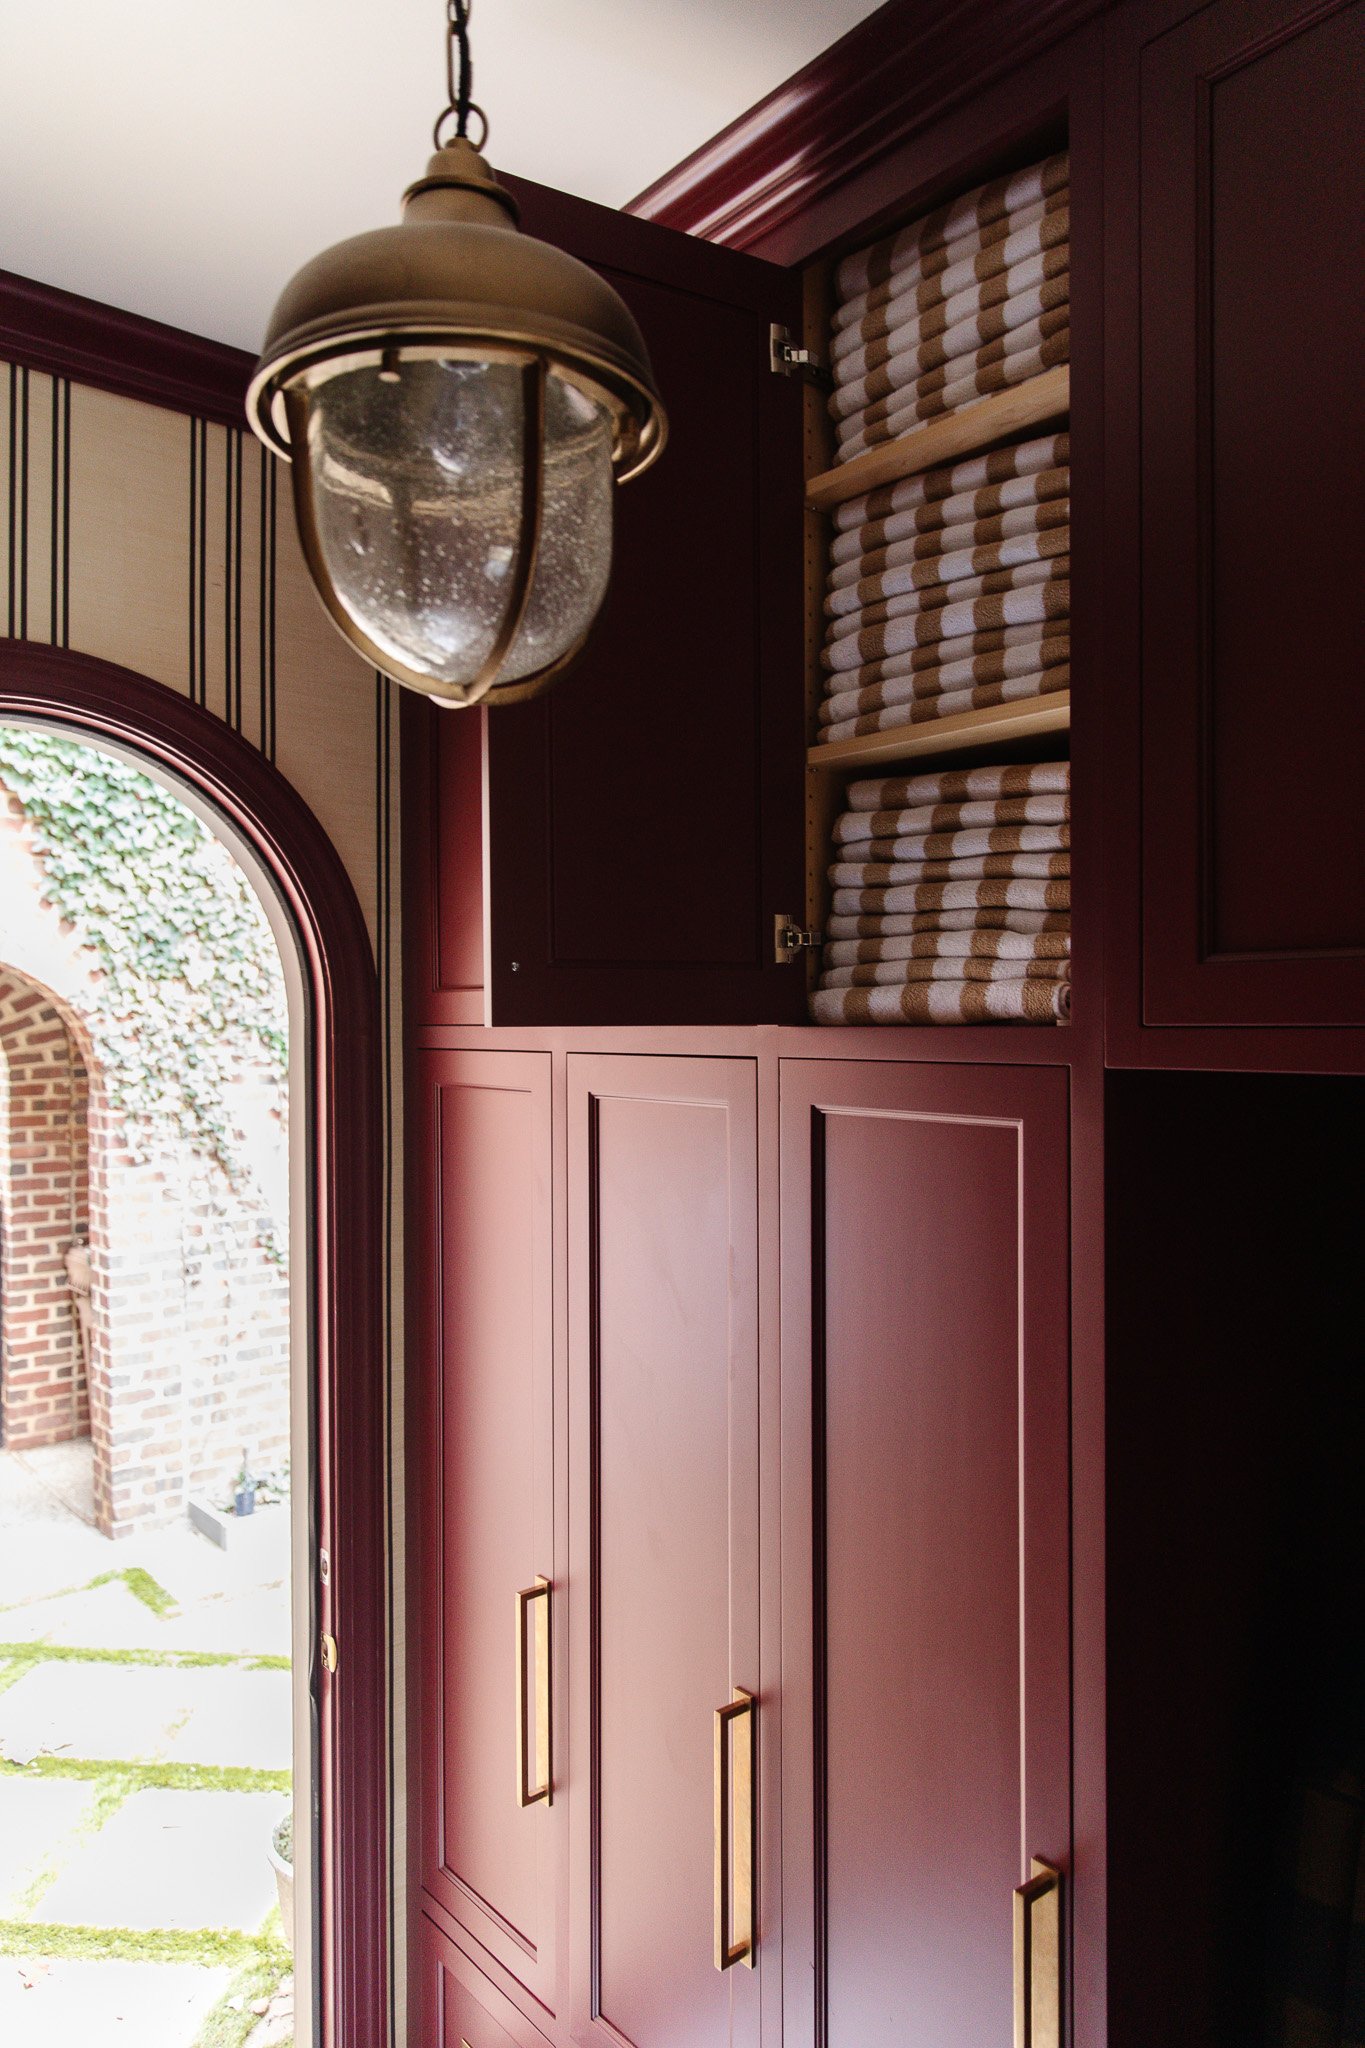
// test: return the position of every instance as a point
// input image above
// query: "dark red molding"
(349, 1390)
(902, 68)
(67, 336)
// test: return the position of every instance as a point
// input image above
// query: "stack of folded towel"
(952, 900)
(969, 300)
(950, 590)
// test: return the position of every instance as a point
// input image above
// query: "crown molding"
(64, 335)
(899, 70)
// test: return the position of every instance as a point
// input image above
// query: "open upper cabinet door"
(643, 821)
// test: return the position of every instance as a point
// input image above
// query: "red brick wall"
(44, 1202)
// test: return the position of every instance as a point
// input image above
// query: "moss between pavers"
(155, 1777)
(30, 1653)
(232, 2022)
(209, 1946)
(140, 1584)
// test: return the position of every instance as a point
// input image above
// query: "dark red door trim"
(348, 1383)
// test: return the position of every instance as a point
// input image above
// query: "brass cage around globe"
(456, 284)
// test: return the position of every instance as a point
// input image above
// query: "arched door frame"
(348, 1367)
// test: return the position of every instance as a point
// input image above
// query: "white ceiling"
(181, 158)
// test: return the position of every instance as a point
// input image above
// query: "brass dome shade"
(455, 400)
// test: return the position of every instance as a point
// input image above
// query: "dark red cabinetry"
(488, 1484)
(1235, 409)
(925, 1540)
(663, 1349)
(642, 822)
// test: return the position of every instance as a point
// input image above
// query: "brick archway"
(44, 1209)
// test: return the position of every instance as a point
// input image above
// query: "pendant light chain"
(459, 76)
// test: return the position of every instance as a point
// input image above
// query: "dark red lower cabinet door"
(663, 1364)
(925, 1542)
(483, 1524)
(455, 2007)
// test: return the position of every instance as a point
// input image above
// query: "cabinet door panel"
(480, 1230)
(457, 2007)
(1253, 413)
(644, 819)
(925, 1577)
(664, 1392)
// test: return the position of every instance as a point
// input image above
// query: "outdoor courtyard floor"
(145, 1740)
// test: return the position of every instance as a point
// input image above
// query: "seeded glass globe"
(457, 401)
(416, 476)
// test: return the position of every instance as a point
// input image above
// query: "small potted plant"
(282, 1863)
(244, 1489)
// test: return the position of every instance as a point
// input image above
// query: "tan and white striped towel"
(959, 785)
(1016, 524)
(975, 867)
(934, 596)
(946, 1002)
(1038, 285)
(954, 566)
(983, 917)
(966, 262)
(908, 377)
(1014, 842)
(974, 944)
(1051, 807)
(980, 382)
(896, 973)
(948, 705)
(956, 327)
(999, 197)
(961, 509)
(1036, 605)
(975, 473)
(915, 661)
(1025, 658)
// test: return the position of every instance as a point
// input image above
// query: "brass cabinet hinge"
(790, 938)
(787, 360)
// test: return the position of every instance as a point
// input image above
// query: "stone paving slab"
(36, 1816)
(123, 1712)
(68, 2004)
(173, 1859)
(242, 1718)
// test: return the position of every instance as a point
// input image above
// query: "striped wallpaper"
(166, 544)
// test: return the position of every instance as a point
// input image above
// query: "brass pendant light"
(455, 400)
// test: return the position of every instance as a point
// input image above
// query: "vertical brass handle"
(736, 1741)
(529, 1792)
(1038, 1958)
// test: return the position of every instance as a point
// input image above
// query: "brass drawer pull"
(529, 1793)
(735, 1776)
(1038, 1959)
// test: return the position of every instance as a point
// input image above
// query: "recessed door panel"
(664, 1395)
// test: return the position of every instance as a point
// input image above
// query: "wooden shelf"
(954, 434)
(988, 727)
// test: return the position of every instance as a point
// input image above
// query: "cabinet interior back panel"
(922, 1660)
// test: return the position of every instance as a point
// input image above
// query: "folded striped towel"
(932, 364)
(1038, 285)
(978, 382)
(959, 785)
(955, 566)
(956, 843)
(895, 973)
(1025, 659)
(1051, 808)
(945, 1002)
(974, 944)
(966, 509)
(984, 917)
(868, 268)
(966, 647)
(1043, 869)
(975, 473)
(1015, 607)
(933, 596)
(1018, 523)
(968, 260)
(954, 327)
(950, 704)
